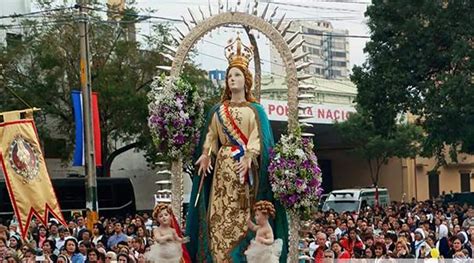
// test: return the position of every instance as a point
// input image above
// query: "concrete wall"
(449, 175)
(349, 171)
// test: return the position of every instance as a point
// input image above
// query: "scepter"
(202, 181)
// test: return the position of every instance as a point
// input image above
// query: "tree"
(44, 67)
(420, 61)
(375, 148)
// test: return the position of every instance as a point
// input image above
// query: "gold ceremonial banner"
(24, 168)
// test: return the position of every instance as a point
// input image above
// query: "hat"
(463, 237)
(17, 237)
(421, 232)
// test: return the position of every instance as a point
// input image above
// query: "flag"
(24, 168)
(78, 159)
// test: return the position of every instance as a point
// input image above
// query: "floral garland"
(175, 115)
(294, 173)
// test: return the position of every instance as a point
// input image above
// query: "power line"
(329, 34)
(133, 15)
(36, 12)
(316, 7)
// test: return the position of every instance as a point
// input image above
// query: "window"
(339, 63)
(13, 40)
(338, 54)
(465, 181)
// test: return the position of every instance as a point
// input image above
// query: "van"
(353, 200)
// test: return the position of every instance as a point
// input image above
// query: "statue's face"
(236, 80)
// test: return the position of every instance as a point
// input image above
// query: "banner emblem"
(24, 158)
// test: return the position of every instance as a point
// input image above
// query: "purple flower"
(293, 198)
(314, 182)
(179, 139)
(299, 182)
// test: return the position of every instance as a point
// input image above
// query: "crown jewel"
(237, 53)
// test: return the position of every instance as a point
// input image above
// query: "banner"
(24, 168)
(78, 159)
(321, 113)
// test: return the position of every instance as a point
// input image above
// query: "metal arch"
(262, 26)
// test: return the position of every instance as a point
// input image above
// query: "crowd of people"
(415, 230)
(110, 240)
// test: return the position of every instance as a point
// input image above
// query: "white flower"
(300, 153)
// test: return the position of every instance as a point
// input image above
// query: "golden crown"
(237, 53)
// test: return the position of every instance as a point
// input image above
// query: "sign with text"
(322, 113)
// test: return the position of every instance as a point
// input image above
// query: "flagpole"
(89, 154)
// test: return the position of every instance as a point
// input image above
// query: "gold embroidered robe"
(227, 217)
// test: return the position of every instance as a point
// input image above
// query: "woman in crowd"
(402, 250)
(15, 244)
(338, 252)
(380, 252)
(98, 234)
(143, 234)
(351, 241)
(72, 251)
(41, 236)
(48, 250)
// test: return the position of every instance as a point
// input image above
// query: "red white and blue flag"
(78, 159)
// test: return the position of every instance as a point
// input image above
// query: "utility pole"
(89, 155)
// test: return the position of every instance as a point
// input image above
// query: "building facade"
(11, 28)
(327, 48)
(333, 102)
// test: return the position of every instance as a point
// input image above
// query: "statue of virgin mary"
(232, 160)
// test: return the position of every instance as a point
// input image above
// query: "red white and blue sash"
(234, 134)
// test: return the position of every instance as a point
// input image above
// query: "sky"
(345, 16)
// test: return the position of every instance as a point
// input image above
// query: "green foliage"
(43, 68)
(420, 60)
(368, 143)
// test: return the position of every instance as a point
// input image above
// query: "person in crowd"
(380, 252)
(123, 258)
(328, 256)
(420, 249)
(456, 249)
(72, 250)
(142, 233)
(15, 243)
(110, 257)
(117, 237)
(369, 252)
(41, 235)
(321, 244)
(92, 255)
(49, 246)
(351, 241)
(339, 253)
(80, 227)
(442, 244)
(98, 234)
(86, 235)
(402, 250)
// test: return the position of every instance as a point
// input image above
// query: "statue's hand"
(244, 165)
(205, 165)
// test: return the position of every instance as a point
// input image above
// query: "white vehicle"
(350, 200)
